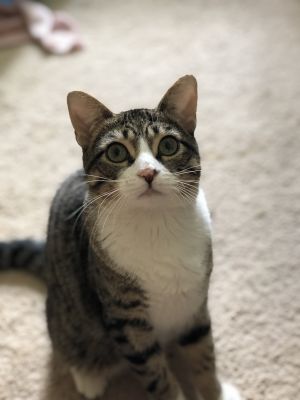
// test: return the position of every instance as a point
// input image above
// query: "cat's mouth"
(150, 192)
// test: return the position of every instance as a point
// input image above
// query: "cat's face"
(143, 158)
(146, 159)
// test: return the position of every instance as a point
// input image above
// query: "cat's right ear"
(180, 103)
(84, 112)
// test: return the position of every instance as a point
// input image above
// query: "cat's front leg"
(136, 341)
(198, 348)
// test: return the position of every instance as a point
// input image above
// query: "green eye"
(116, 153)
(168, 146)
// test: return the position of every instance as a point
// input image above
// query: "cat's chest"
(167, 255)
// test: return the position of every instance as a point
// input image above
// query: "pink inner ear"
(184, 110)
(187, 102)
(189, 111)
(75, 109)
(84, 111)
(82, 116)
(180, 102)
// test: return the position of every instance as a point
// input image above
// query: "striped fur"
(25, 255)
(129, 279)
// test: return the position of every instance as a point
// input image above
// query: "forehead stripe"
(94, 160)
(155, 129)
(189, 146)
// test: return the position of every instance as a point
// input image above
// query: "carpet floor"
(246, 57)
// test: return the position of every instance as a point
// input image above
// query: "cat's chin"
(150, 192)
(155, 200)
(151, 201)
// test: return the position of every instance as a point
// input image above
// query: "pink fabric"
(56, 32)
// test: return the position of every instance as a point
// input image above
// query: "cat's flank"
(128, 254)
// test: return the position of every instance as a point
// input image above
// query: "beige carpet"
(246, 56)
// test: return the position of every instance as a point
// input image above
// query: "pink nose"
(148, 174)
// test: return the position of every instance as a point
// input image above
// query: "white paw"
(180, 396)
(229, 392)
(90, 384)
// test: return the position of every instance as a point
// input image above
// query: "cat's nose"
(148, 174)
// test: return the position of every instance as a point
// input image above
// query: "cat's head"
(145, 157)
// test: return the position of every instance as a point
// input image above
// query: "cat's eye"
(168, 146)
(116, 153)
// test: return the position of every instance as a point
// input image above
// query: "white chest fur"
(166, 252)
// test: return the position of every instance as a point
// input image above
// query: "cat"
(128, 254)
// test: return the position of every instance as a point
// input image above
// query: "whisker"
(86, 205)
(187, 172)
(92, 181)
(183, 198)
(104, 179)
(193, 185)
(188, 180)
(189, 192)
(196, 167)
(110, 212)
(183, 186)
(100, 210)
(188, 195)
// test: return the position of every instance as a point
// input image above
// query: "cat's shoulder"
(71, 193)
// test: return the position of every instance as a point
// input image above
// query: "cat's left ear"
(180, 103)
(84, 112)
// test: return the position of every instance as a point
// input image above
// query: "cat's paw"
(180, 396)
(229, 392)
(90, 385)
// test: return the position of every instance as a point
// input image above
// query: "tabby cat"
(128, 254)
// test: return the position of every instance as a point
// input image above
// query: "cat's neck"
(143, 219)
(167, 252)
(160, 222)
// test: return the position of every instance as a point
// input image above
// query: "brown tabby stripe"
(153, 385)
(136, 122)
(128, 305)
(23, 254)
(121, 339)
(120, 323)
(189, 146)
(195, 335)
(94, 160)
(143, 356)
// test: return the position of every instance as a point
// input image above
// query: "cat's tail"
(23, 255)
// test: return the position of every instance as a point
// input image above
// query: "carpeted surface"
(246, 56)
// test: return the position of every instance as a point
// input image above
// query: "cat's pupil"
(168, 146)
(117, 153)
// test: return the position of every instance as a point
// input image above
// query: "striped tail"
(23, 255)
